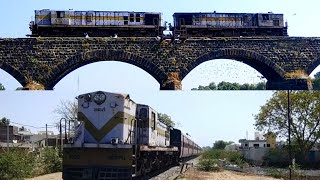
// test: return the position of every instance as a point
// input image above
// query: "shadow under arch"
(313, 66)
(14, 73)
(83, 59)
(262, 64)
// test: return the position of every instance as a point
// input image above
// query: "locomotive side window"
(153, 121)
(131, 17)
(276, 23)
(265, 16)
(60, 14)
(137, 17)
(125, 18)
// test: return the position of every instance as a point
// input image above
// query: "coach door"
(90, 18)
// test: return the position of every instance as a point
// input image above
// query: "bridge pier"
(32, 85)
(173, 82)
(289, 84)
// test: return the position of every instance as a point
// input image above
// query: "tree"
(232, 86)
(317, 75)
(316, 83)
(221, 144)
(166, 119)
(4, 121)
(2, 87)
(67, 110)
(305, 115)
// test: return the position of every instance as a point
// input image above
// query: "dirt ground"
(192, 174)
(53, 176)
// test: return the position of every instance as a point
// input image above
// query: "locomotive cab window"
(137, 17)
(265, 16)
(125, 18)
(131, 17)
(276, 22)
(60, 14)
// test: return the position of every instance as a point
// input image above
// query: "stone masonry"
(40, 63)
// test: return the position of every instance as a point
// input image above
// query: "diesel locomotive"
(52, 23)
(228, 24)
(117, 138)
(69, 23)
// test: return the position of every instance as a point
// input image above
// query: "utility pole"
(61, 144)
(46, 135)
(8, 135)
(289, 134)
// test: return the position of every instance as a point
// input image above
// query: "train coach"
(187, 148)
(117, 138)
(228, 24)
(52, 23)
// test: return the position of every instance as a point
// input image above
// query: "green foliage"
(17, 164)
(221, 144)
(232, 86)
(51, 161)
(305, 115)
(166, 119)
(316, 83)
(209, 165)
(4, 121)
(2, 87)
(317, 75)
(230, 156)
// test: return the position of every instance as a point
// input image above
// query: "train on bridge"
(117, 138)
(69, 23)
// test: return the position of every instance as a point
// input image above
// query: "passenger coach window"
(137, 17)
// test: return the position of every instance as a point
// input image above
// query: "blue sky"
(207, 116)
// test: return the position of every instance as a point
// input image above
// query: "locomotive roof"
(126, 96)
(180, 13)
(97, 11)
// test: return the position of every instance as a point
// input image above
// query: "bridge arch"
(14, 73)
(262, 64)
(89, 57)
(313, 66)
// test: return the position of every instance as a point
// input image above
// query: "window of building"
(255, 145)
(276, 23)
(131, 17)
(137, 17)
(268, 145)
(246, 145)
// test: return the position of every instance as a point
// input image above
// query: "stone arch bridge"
(40, 63)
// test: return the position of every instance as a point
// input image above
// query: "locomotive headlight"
(99, 98)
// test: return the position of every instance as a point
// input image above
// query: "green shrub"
(208, 165)
(17, 164)
(51, 161)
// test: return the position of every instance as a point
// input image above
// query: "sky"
(207, 116)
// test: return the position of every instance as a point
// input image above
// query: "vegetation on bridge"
(232, 86)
